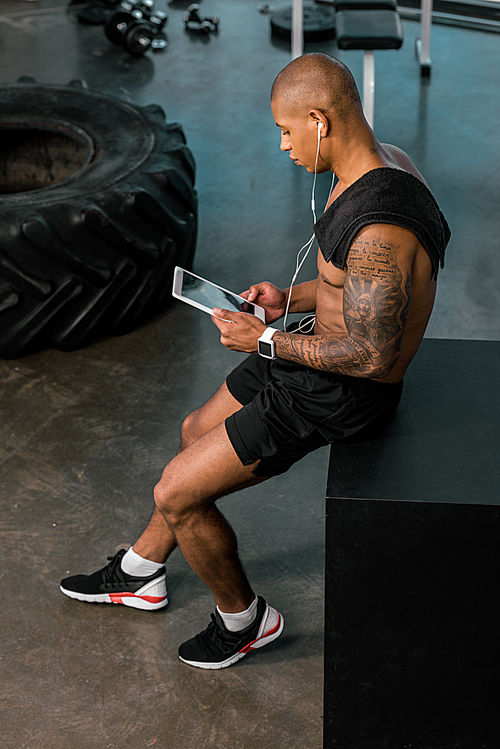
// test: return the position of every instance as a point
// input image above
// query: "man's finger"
(223, 314)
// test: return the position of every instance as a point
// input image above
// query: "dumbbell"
(144, 35)
(118, 23)
(194, 21)
(137, 26)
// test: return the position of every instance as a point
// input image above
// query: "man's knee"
(207, 417)
(167, 495)
(177, 497)
(190, 430)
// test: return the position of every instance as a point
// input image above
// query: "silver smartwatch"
(266, 345)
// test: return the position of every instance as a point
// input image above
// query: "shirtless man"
(381, 241)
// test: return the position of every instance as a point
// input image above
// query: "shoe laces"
(113, 572)
(216, 640)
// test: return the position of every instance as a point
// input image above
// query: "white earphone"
(308, 245)
(313, 202)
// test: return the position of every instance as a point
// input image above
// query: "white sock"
(134, 564)
(235, 622)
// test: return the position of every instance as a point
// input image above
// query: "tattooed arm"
(376, 299)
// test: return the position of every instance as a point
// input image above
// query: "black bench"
(412, 574)
(368, 25)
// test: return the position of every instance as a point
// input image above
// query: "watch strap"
(268, 334)
(266, 346)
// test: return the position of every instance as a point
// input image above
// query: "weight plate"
(318, 23)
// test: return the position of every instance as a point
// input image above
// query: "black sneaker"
(217, 647)
(113, 585)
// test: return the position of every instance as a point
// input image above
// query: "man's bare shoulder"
(397, 158)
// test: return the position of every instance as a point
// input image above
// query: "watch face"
(265, 349)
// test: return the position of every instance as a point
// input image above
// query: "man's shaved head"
(317, 81)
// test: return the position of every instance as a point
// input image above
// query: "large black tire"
(97, 207)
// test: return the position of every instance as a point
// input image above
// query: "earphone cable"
(310, 242)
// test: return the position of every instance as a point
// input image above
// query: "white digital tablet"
(205, 295)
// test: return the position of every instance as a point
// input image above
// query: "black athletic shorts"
(289, 410)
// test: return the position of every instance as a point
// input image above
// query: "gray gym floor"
(84, 435)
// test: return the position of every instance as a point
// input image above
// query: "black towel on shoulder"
(383, 196)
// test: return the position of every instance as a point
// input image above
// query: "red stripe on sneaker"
(266, 634)
(117, 597)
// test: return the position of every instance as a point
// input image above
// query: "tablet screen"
(204, 293)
